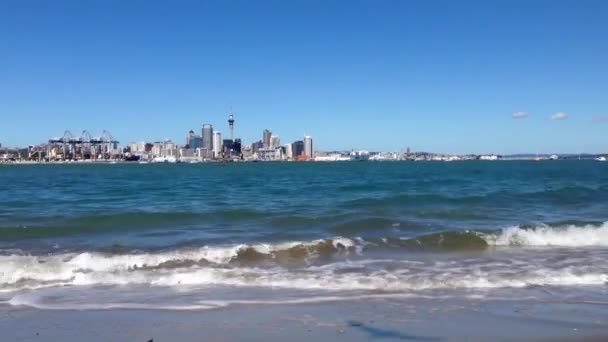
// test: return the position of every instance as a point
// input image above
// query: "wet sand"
(366, 320)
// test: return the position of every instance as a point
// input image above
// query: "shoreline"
(367, 320)
(145, 162)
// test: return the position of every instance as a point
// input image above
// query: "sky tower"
(231, 125)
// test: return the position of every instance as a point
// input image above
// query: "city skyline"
(467, 77)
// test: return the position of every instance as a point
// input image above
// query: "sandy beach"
(366, 320)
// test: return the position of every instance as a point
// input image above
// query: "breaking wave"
(547, 236)
(334, 264)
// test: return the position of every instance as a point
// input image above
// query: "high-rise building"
(266, 138)
(207, 138)
(288, 151)
(308, 148)
(196, 142)
(258, 145)
(189, 137)
(275, 141)
(193, 141)
(297, 149)
(237, 147)
(232, 148)
(138, 147)
(217, 144)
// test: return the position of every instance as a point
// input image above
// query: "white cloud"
(559, 116)
(520, 115)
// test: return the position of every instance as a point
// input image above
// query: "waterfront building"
(193, 140)
(266, 154)
(288, 151)
(169, 145)
(196, 142)
(157, 148)
(246, 151)
(169, 148)
(187, 152)
(207, 137)
(189, 137)
(164, 148)
(138, 147)
(275, 141)
(217, 145)
(236, 147)
(308, 147)
(258, 145)
(279, 153)
(297, 149)
(266, 138)
(204, 153)
(232, 148)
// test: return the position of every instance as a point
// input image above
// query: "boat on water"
(131, 157)
(332, 158)
(359, 155)
(169, 159)
(601, 159)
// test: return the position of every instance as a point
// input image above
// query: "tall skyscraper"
(193, 141)
(266, 138)
(207, 137)
(308, 148)
(288, 151)
(297, 148)
(275, 141)
(217, 144)
(189, 138)
(255, 146)
(232, 148)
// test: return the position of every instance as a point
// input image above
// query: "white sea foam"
(80, 268)
(41, 301)
(341, 276)
(184, 268)
(545, 236)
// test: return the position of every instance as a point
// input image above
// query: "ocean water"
(202, 236)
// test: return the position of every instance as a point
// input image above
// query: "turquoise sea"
(200, 236)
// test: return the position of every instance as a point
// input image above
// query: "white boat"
(169, 159)
(359, 155)
(332, 158)
(491, 157)
(601, 159)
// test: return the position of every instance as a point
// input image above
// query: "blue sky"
(443, 76)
